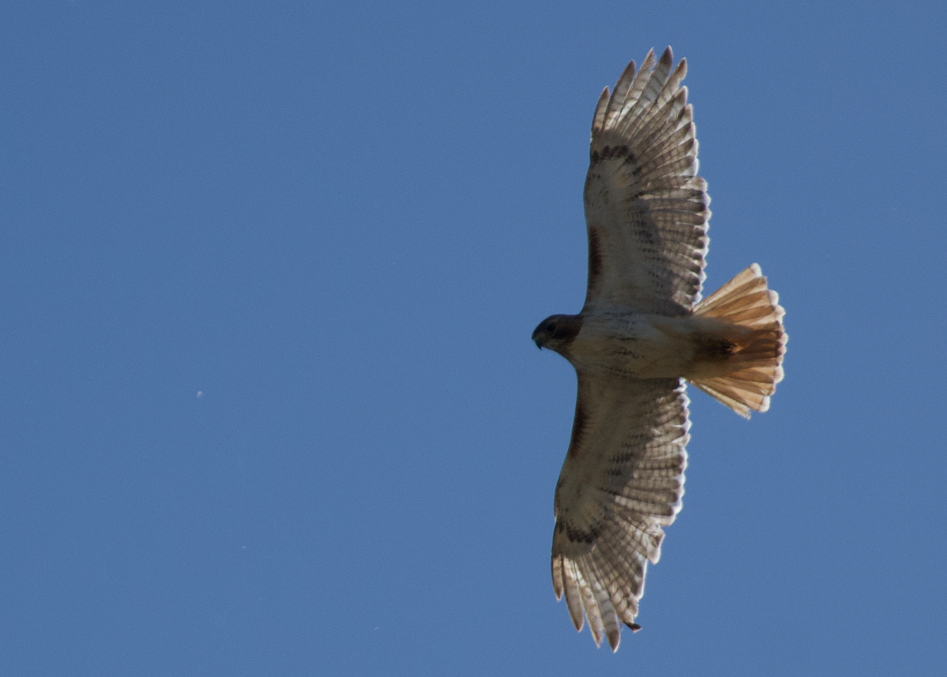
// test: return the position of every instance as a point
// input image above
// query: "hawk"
(643, 333)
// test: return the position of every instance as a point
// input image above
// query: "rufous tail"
(757, 342)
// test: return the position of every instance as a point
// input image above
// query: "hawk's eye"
(551, 327)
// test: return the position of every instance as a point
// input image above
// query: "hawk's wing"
(622, 480)
(645, 207)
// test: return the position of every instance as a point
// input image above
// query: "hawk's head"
(557, 331)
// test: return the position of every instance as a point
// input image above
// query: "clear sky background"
(268, 399)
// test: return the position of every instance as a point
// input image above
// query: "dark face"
(556, 331)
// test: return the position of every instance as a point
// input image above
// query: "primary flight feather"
(641, 335)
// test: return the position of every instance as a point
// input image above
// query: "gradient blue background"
(268, 272)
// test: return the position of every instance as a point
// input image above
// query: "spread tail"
(752, 329)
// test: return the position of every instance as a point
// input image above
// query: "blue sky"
(268, 274)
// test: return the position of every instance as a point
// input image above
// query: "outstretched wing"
(645, 207)
(622, 480)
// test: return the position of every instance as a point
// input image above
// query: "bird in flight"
(642, 335)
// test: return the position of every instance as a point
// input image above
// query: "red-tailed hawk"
(642, 333)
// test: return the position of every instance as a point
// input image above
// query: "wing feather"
(614, 103)
(630, 92)
(622, 480)
(598, 120)
(646, 209)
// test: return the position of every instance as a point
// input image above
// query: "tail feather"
(753, 321)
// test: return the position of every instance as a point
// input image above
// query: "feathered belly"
(635, 346)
